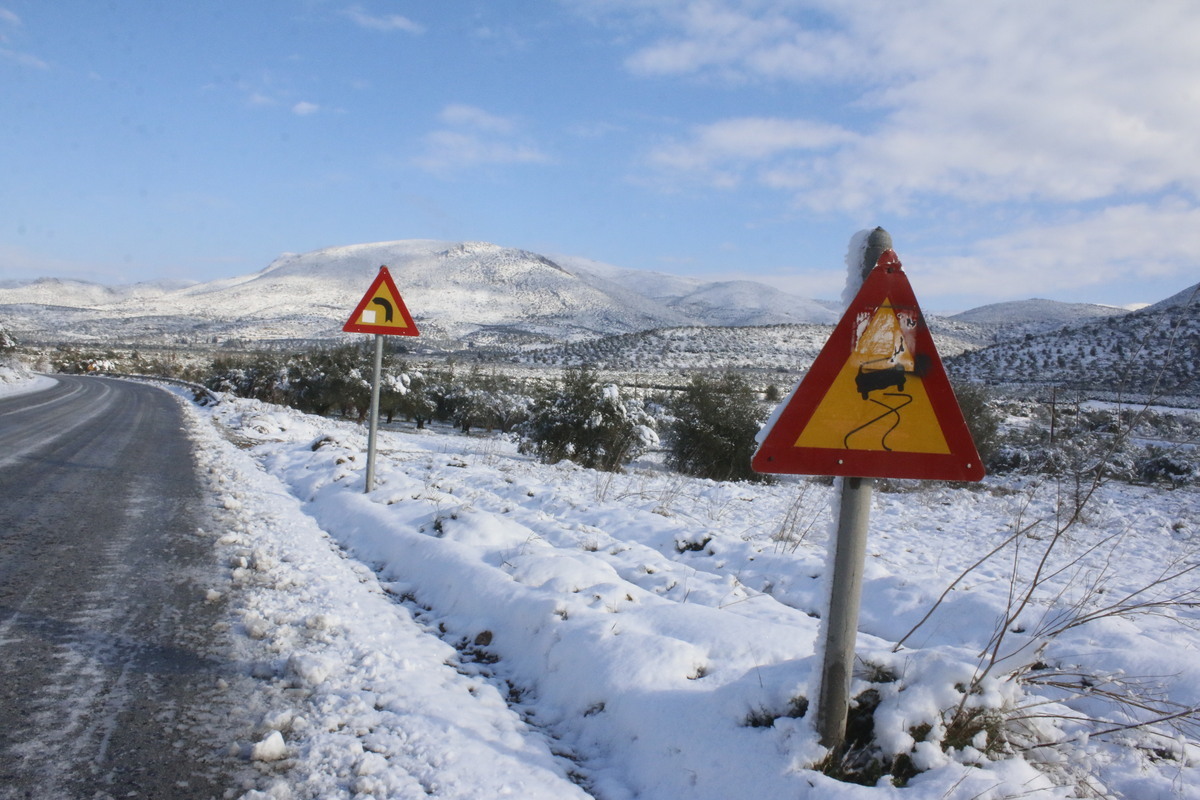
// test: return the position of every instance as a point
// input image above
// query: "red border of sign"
(778, 452)
(384, 277)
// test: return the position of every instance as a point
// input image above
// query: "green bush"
(983, 420)
(585, 422)
(713, 427)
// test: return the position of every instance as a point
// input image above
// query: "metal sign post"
(876, 403)
(845, 593)
(845, 585)
(374, 425)
(383, 313)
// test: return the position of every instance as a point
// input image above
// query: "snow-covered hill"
(784, 348)
(81, 294)
(1016, 318)
(1188, 297)
(1149, 354)
(733, 303)
(460, 293)
(514, 304)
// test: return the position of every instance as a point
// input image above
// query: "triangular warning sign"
(876, 402)
(382, 310)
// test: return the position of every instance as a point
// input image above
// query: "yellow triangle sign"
(876, 402)
(901, 419)
(382, 310)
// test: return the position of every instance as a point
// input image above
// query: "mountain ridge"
(455, 291)
(462, 295)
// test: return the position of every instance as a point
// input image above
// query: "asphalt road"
(112, 672)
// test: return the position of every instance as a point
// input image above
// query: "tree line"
(707, 429)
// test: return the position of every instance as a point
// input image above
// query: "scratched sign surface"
(876, 402)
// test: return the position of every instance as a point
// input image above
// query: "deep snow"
(482, 625)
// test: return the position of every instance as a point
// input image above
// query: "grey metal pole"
(374, 425)
(841, 629)
(845, 586)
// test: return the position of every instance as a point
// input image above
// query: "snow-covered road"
(110, 671)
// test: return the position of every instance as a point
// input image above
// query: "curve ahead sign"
(382, 310)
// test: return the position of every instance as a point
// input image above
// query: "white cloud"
(474, 137)
(1122, 244)
(305, 108)
(1063, 102)
(385, 22)
(24, 59)
(450, 151)
(16, 56)
(469, 116)
(716, 152)
(742, 40)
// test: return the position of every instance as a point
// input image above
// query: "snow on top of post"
(861, 255)
(864, 245)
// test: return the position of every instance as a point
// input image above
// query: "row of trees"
(706, 428)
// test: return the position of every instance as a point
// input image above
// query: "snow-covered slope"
(1188, 297)
(1019, 317)
(748, 303)
(81, 294)
(459, 293)
(488, 626)
(1150, 354)
(734, 303)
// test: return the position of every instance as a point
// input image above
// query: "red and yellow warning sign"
(382, 310)
(876, 402)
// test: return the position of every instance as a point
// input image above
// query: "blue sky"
(1013, 148)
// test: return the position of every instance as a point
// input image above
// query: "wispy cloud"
(1138, 242)
(23, 59)
(473, 137)
(384, 22)
(723, 152)
(1059, 104)
(466, 116)
(305, 108)
(1071, 125)
(10, 19)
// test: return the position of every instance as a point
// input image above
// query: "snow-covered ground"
(15, 379)
(482, 625)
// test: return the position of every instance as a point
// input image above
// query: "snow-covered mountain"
(517, 305)
(511, 303)
(1016, 318)
(1148, 354)
(81, 294)
(459, 293)
(734, 303)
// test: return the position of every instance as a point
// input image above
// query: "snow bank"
(482, 625)
(16, 379)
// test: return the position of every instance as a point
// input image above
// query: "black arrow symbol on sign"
(387, 308)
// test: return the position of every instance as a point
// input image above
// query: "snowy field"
(484, 626)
